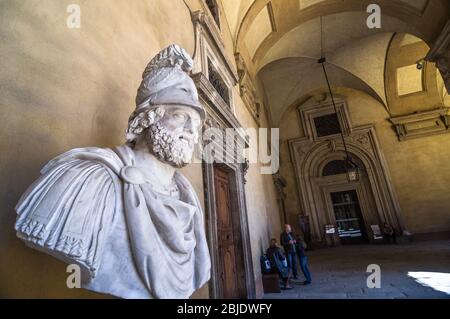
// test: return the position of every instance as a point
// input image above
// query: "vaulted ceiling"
(284, 38)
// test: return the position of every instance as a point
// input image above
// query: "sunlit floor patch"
(437, 280)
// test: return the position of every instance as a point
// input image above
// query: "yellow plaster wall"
(262, 206)
(419, 168)
(63, 88)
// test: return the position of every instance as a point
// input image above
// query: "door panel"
(227, 245)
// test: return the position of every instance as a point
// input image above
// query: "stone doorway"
(317, 158)
(350, 207)
(349, 219)
(231, 265)
(227, 228)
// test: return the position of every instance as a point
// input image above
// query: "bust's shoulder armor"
(67, 211)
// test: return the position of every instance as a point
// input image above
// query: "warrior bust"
(125, 215)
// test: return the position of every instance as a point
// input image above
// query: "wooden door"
(227, 245)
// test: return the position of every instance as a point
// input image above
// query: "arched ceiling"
(332, 32)
(286, 80)
(355, 54)
(284, 38)
(236, 10)
(426, 18)
(346, 43)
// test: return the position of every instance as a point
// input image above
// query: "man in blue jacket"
(287, 240)
(300, 250)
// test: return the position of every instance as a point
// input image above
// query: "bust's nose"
(189, 126)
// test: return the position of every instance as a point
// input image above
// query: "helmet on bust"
(166, 81)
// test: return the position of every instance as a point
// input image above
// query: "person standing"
(288, 242)
(303, 259)
(389, 233)
(305, 228)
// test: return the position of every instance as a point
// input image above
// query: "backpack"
(265, 264)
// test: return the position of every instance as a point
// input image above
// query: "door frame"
(339, 183)
(309, 157)
(240, 226)
(363, 209)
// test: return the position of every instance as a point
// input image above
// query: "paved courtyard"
(340, 272)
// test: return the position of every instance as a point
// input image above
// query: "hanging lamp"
(352, 169)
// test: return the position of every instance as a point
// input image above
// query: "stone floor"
(340, 272)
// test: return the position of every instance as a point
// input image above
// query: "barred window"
(327, 125)
(216, 80)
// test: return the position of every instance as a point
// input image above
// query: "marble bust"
(126, 216)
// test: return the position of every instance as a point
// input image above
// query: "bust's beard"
(167, 147)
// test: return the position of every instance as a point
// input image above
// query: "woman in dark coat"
(279, 263)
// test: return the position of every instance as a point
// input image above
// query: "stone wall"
(64, 88)
(264, 217)
(419, 168)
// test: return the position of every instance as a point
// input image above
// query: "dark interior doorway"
(349, 221)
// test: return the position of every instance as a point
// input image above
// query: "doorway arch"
(349, 206)
(375, 192)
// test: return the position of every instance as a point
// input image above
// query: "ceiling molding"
(413, 17)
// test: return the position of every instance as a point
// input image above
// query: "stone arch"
(418, 20)
(333, 167)
(280, 100)
(309, 159)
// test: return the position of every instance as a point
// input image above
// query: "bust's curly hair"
(141, 120)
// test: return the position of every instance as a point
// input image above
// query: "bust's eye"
(179, 116)
(197, 123)
(185, 90)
